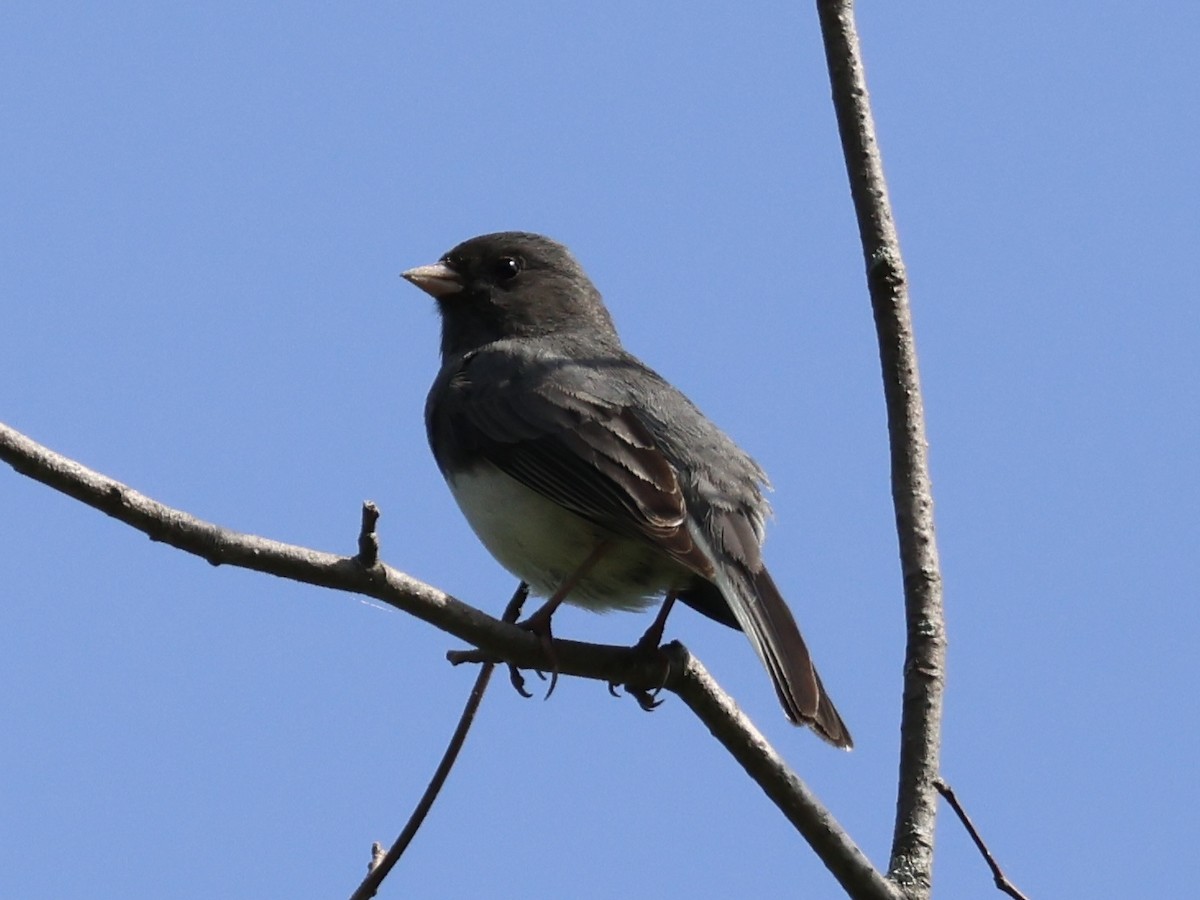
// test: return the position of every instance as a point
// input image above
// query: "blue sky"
(203, 214)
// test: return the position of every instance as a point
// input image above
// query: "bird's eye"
(508, 267)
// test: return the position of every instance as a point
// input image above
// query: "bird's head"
(511, 284)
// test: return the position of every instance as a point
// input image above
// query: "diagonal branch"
(998, 877)
(746, 744)
(498, 639)
(912, 494)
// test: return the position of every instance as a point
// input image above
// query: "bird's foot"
(511, 613)
(539, 625)
(647, 652)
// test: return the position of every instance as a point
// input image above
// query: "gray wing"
(576, 439)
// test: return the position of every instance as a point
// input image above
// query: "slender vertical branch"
(924, 665)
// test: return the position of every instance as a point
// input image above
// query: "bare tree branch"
(737, 734)
(382, 863)
(687, 677)
(1001, 880)
(912, 495)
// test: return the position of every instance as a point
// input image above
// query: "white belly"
(542, 543)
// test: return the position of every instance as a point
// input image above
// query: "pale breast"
(542, 543)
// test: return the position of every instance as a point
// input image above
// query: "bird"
(587, 474)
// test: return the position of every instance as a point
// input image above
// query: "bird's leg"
(511, 612)
(652, 639)
(539, 622)
(646, 647)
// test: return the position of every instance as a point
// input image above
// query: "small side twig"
(1001, 880)
(381, 865)
(368, 540)
(377, 856)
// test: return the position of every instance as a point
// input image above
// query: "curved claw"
(518, 681)
(548, 649)
(647, 700)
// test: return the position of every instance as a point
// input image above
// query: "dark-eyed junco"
(584, 472)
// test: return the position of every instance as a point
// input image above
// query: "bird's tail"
(764, 616)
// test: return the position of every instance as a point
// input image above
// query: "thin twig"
(375, 876)
(912, 494)
(998, 876)
(599, 662)
(380, 867)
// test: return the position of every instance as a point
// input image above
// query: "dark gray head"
(512, 284)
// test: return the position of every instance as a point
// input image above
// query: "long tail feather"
(776, 636)
(763, 615)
